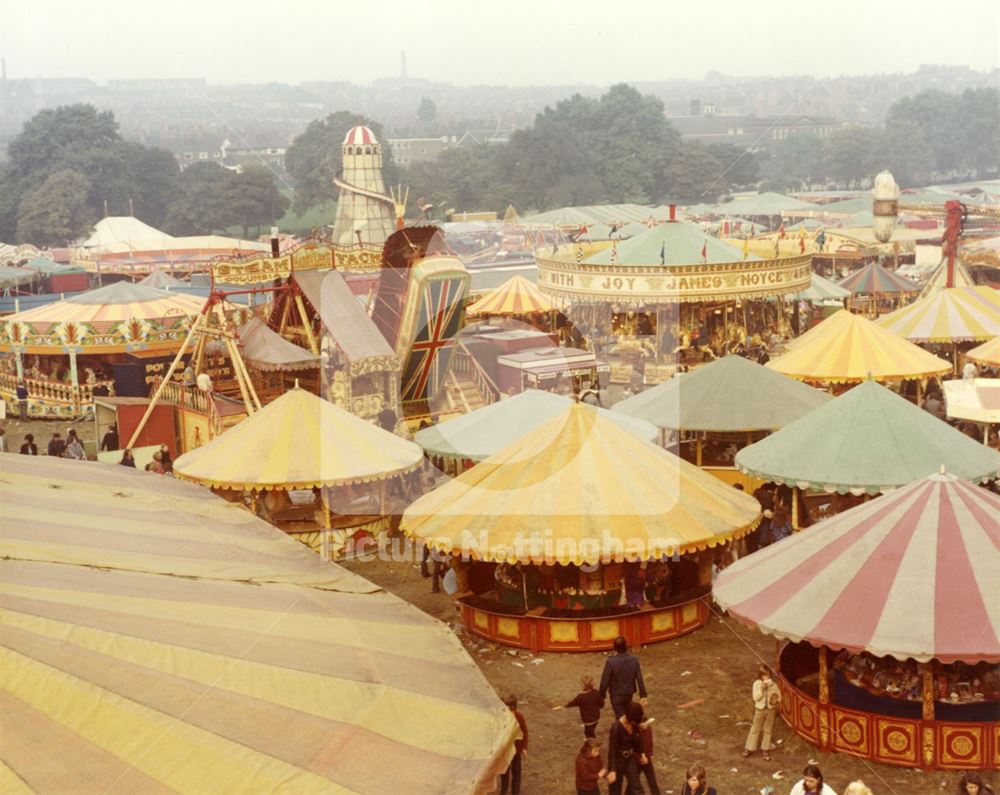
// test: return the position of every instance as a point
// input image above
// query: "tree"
(797, 161)
(315, 158)
(850, 154)
(427, 112)
(198, 204)
(741, 165)
(56, 212)
(937, 115)
(693, 175)
(252, 199)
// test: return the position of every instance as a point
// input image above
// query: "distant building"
(757, 133)
(188, 151)
(418, 150)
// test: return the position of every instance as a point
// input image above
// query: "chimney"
(673, 212)
(275, 243)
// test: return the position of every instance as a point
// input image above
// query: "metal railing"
(466, 365)
(76, 395)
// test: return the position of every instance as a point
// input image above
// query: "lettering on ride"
(561, 279)
(618, 283)
(761, 278)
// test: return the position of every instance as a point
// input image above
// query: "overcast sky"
(508, 42)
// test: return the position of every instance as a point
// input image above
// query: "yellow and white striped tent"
(576, 490)
(956, 314)
(299, 441)
(849, 348)
(516, 296)
(156, 639)
(987, 353)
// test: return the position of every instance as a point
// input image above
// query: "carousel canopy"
(868, 440)
(730, 394)
(578, 489)
(159, 639)
(485, 431)
(298, 441)
(912, 574)
(113, 303)
(516, 296)
(265, 349)
(160, 280)
(873, 279)
(848, 348)
(987, 353)
(939, 278)
(763, 204)
(672, 243)
(958, 314)
(820, 290)
(591, 214)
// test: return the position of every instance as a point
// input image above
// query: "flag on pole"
(746, 247)
(781, 231)
(802, 245)
(663, 253)
(704, 252)
(614, 252)
(579, 253)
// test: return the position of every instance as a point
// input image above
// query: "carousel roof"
(113, 303)
(848, 348)
(763, 204)
(487, 430)
(868, 440)
(939, 278)
(912, 574)
(161, 280)
(577, 489)
(265, 349)
(821, 289)
(873, 278)
(672, 243)
(593, 214)
(298, 441)
(137, 606)
(956, 314)
(730, 394)
(987, 353)
(516, 296)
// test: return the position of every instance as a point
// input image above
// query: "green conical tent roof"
(867, 440)
(763, 204)
(680, 243)
(483, 432)
(730, 394)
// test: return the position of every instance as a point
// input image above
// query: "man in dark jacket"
(22, 400)
(622, 677)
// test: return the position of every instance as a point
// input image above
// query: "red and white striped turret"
(359, 136)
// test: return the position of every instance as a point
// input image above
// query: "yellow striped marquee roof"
(299, 441)
(591, 489)
(987, 353)
(516, 296)
(956, 314)
(156, 639)
(849, 348)
(113, 304)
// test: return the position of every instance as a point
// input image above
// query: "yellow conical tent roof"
(849, 348)
(299, 441)
(953, 314)
(579, 490)
(987, 353)
(516, 296)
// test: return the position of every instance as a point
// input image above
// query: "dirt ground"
(716, 663)
(42, 429)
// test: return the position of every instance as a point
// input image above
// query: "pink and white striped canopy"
(359, 135)
(914, 573)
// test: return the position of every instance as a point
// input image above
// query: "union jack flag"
(439, 320)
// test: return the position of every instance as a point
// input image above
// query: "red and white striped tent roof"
(912, 574)
(359, 135)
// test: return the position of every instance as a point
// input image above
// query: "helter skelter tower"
(365, 214)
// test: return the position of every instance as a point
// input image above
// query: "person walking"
(22, 400)
(589, 702)
(29, 447)
(811, 783)
(694, 782)
(511, 777)
(766, 702)
(622, 677)
(110, 440)
(589, 768)
(625, 752)
(646, 759)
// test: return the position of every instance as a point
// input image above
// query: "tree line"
(69, 163)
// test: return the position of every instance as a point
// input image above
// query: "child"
(694, 782)
(589, 702)
(511, 777)
(589, 768)
(766, 702)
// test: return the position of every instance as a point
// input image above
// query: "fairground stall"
(889, 625)
(876, 291)
(867, 441)
(578, 533)
(720, 408)
(274, 364)
(168, 642)
(110, 339)
(459, 443)
(671, 294)
(303, 460)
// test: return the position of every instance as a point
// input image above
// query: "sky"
(500, 42)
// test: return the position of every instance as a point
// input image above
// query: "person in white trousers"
(766, 702)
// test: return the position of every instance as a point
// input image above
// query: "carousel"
(887, 626)
(867, 441)
(578, 533)
(306, 465)
(517, 298)
(69, 351)
(720, 408)
(672, 294)
(876, 291)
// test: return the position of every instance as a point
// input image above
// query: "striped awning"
(987, 353)
(157, 639)
(112, 304)
(849, 348)
(912, 574)
(958, 314)
(873, 279)
(516, 296)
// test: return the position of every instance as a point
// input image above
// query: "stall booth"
(308, 467)
(566, 371)
(867, 441)
(874, 660)
(463, 441)
(578, 533)
(273, 363)
(713, 412)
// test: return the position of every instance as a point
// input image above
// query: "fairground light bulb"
(885, 206)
